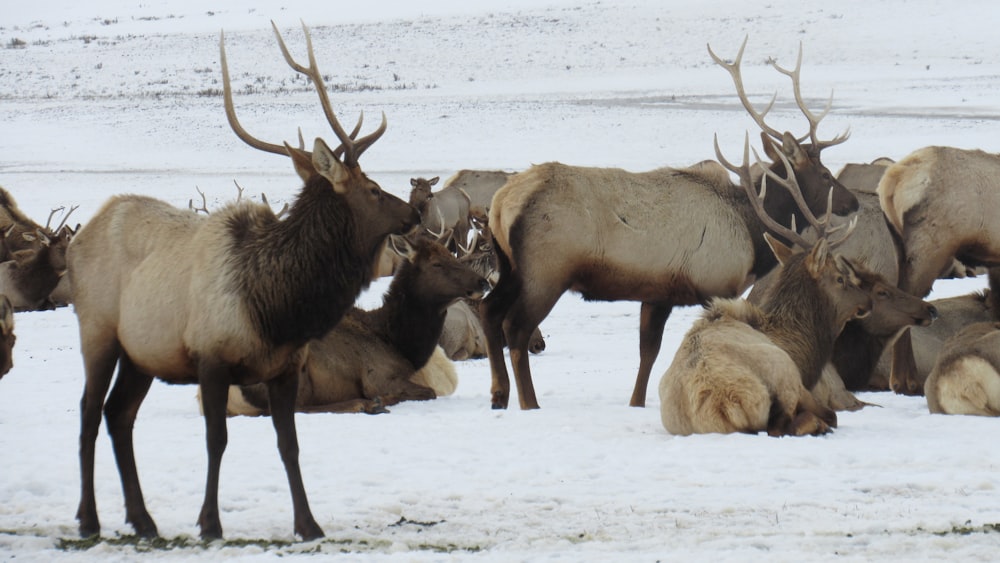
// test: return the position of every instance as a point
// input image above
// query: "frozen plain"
(122, 96)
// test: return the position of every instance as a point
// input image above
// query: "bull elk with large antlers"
(228, 298)
(749, 368)
(665, 237)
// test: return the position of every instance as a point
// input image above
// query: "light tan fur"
(625, 212)
(832, 394)
(727, 374)
(966, 377)
(462, 337)
(942, 201)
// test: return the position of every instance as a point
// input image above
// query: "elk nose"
(932, 312)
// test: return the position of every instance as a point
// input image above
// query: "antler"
(810, 116)
(352, 148)
(312, 73)
(737, 74)
(822, 226)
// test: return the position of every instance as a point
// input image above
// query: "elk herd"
(257, 307)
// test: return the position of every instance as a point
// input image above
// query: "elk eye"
(883, 294)
(840, 280)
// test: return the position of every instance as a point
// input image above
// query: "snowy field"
(99, 98)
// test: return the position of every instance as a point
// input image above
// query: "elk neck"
(801, 320)
(410, 323)
(300, 275)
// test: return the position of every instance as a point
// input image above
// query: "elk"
(966, 377)
(445, 211)
(954, 314)
(665, 237)
(748, 368)
(479, 187)
(942, 203)
(32, 274)
(371, 358)
(239, 294)
(7, 337)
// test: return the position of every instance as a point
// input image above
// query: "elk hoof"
(310, 531)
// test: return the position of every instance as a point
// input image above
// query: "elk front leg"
(214, 379)
(120, 411)
(281, 392)
(652, 319)
(903, 377)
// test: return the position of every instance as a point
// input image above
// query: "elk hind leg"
(493, 312)
(281, 392)
(99, 358)
(120, 411)
(652, 319)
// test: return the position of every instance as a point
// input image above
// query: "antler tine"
(737, 75)
(757, 200)
(466, 250)
(352, 148)
(227, 94)
(62, 223)
(813, 119)
(354, 133)
(53, 214)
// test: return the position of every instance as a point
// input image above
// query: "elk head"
(375, 210)
(791, 156)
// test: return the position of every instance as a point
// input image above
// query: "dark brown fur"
(7, 337)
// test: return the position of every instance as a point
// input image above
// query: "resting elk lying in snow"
(239, 294)
(966, 377)
(955, 313)
(943, 203)
(7, 337)
(373, 359)
(665, 237)
(744, 368)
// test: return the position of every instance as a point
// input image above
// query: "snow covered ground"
(99, 98)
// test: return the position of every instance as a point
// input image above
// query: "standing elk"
(666, 237)
(238, 295)
(966, 377)
(942, 202)
(749, 368)
(445, 211)
(374, 359)
(7, 337)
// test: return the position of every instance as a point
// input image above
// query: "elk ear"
(782, 252)
(817, 257)
(413, 182)
(433, 181)
(769, 149)
(329, 166)
(793, 150)
(302, 162)
(845, 267)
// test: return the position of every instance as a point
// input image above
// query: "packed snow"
(100, 98)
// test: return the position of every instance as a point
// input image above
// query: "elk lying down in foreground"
(239, 294)
(374, 359)
(7, 337)
(943, 203)
(749, 368)
(966, 377)
(666, 237)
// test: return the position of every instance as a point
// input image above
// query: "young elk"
(374, 359)
(942, 202)
(744, 368)
(966, 377)
(665, 237)
(238, 295)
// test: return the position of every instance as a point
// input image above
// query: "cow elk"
(942, 202)
(744, 368)
(665, 237)
(229, 298)
(373, 359)
(966, 377)
(32, 274)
